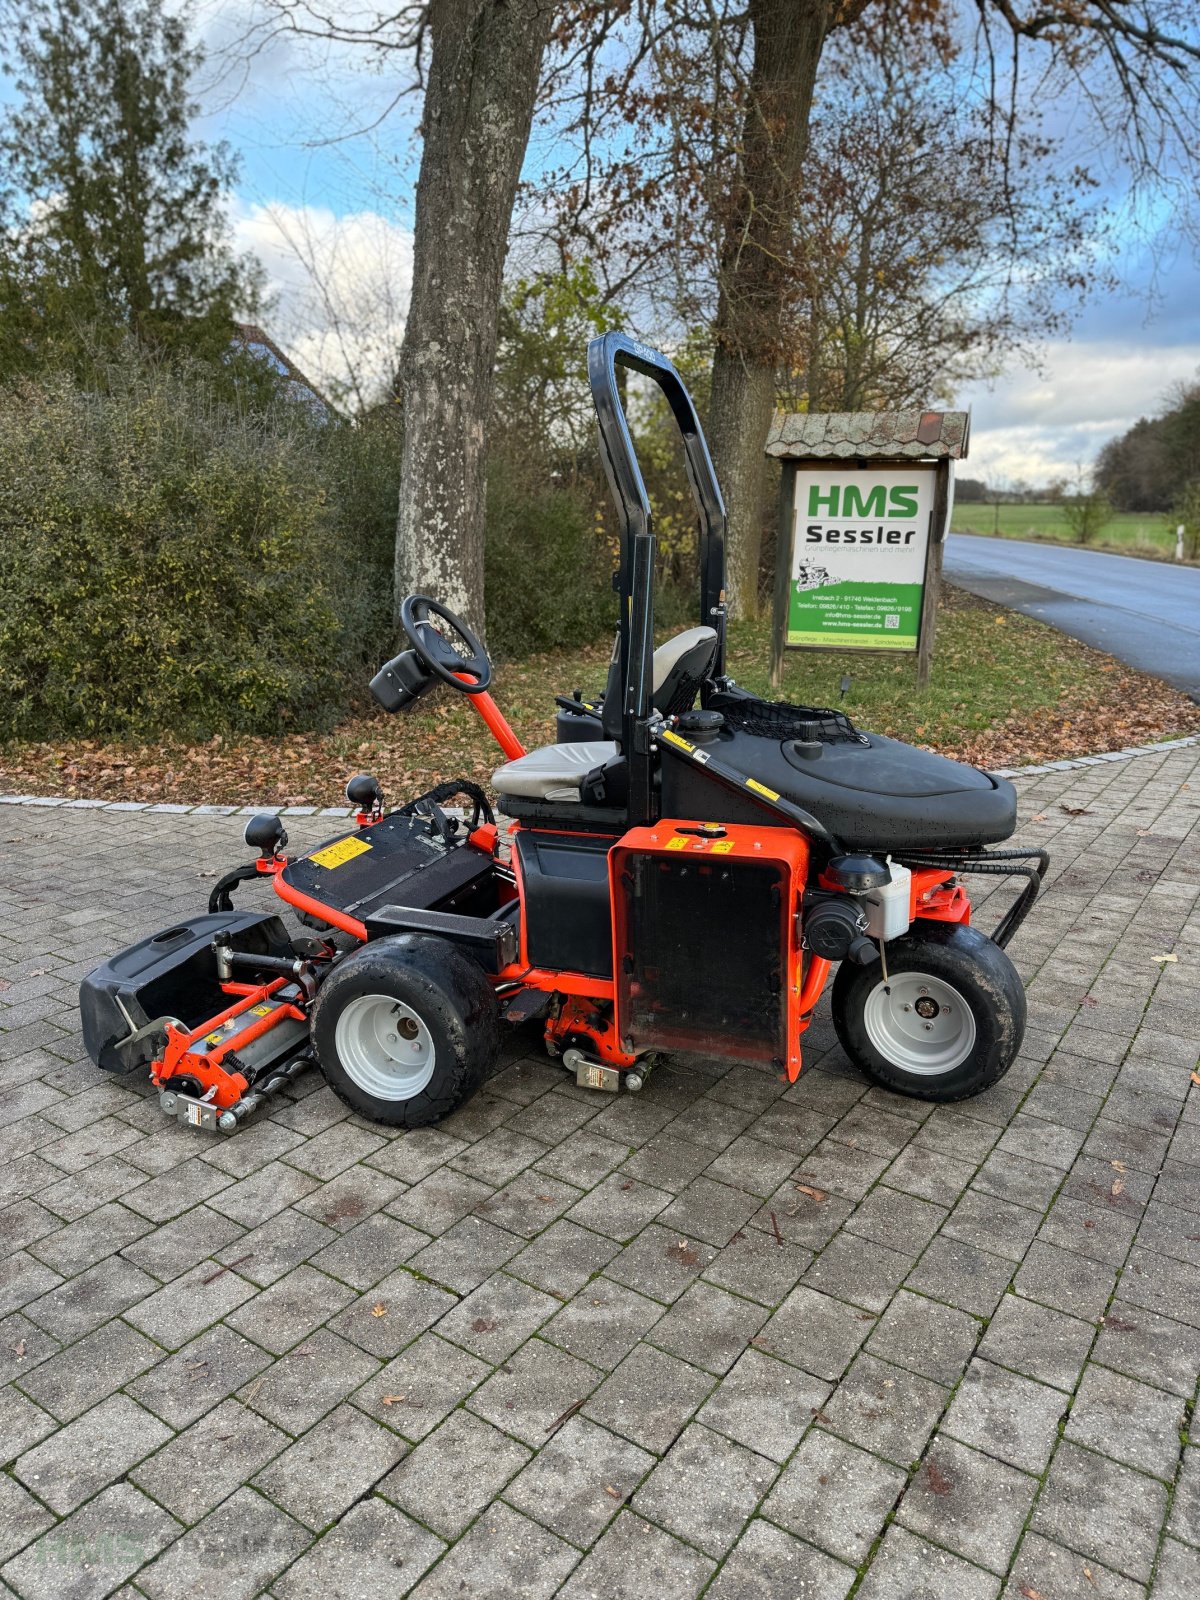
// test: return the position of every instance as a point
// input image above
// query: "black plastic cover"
(568, 913)
(396, 861)
(170, 974)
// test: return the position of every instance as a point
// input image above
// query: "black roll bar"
(635, 576)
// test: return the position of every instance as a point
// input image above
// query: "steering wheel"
(445, 656)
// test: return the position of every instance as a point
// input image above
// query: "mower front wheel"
(946, 1024)
(405, 1029)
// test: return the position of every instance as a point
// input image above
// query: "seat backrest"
(680, 667)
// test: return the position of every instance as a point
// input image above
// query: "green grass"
(1143, 533)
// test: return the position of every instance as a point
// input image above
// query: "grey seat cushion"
(554, 772)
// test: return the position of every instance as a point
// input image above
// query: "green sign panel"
(860, 538)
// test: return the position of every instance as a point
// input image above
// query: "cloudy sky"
(316, 194)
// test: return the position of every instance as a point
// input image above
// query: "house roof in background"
(867, 435)
(260, 344)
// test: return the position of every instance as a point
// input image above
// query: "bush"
(177, 563)
(547, 569)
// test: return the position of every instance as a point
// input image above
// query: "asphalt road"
(1144, 612)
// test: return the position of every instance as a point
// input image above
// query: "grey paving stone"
(709, 1210)
(173, 1248)
(755, 1265)
(495, 1319)
(343, 1202)
(503, 1555)
(528, 1204)
(1153, 1281)
(1185, 1507)
(94, 1550)
(562, 1259)
(902, 1221)
(858, 1270)
(334, 1149)
(192, 1303)
(82, 1243)
(583, 1158)
(603, 1322)
(634, 1559)
(1006, 1415)
(907, 1565)
(579, 1480)
(235, 1552)
(254, 1199)
(803, 1213)
(992, 1224)
(209, 1460)
(84, 1302)
(283, 1242)
(660, 1263)
(22, 1425)
(84, 1373)
(257, 1143)
(290, 1309)
(764, 1404)
(1037, 1341)
(533, 1390)
(970, 1503)
(1089, 1230)
(705, 1489)
(1027, 1183)
(22, 1518)
(767, 1563)
(498, 1156)
(299, 1388)
(409, 1307)
(439, 1201)
(888, 1409)
(454, 1473)
(89, 1453)
(620, 1207)
(961, 1275)
(1102, 1509)
(465, 1254)
(374, 1552)
(200, 1375)
(749, 1165)
(649, 1398)
(331, 1467)
(1128, 1421)
(929, 1174)
(927, 1337)
(815, 1332)
(1049, 1569)
(179, 1189)
(1177, 1573)
(414, 1155)
(841, 1169)
(1065, 1281)
(708, 1327)
(414, 1392)
(835, 1496)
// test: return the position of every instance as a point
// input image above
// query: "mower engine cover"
(172, 974)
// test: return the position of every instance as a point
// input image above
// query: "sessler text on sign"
(859, 549)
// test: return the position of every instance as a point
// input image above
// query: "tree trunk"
(483, 76)
(756, 264)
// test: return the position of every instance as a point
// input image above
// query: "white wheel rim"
(920, 1023)
(384, 1047)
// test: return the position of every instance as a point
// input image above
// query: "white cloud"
(341, 284)
(1040, 426)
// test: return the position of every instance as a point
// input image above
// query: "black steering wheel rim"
(415, 610)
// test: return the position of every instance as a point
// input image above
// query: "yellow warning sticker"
(674, 738)
(677, 844)
(339, 852)
(260, 1011)
(722, 847)
(751, 783)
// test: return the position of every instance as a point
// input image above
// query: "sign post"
(864, 508)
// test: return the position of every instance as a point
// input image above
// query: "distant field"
(1145, 533)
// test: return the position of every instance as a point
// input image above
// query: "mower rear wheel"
(946, 1024)
(405, 1029)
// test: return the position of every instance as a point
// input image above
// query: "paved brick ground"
(556, 1345)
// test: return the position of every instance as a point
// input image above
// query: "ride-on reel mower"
(680, 871)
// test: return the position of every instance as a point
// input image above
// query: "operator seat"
(554, 773)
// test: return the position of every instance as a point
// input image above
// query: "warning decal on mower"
(338, 853)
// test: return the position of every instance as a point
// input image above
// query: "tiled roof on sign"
(864, 435)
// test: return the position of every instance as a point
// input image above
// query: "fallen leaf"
(1030, 1592)
(1038, 816)
(1118, 1186)
(814, 1194)
(1162, 959)
(1077, 811)
(391, 1399)
(1196, 1077)
(379, 1309)
(616, 1493)
(1119, 1166)
(19, 1349)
